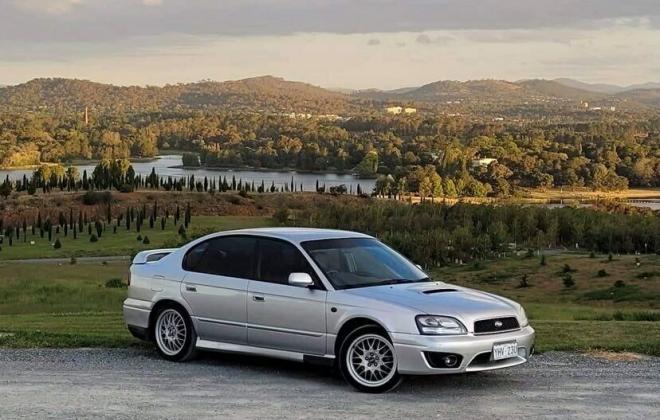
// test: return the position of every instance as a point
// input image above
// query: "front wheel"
(174, 334)
(368, 361)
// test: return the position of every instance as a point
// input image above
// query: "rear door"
(281, 316)
(215, 286)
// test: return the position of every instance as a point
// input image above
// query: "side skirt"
(261, 351)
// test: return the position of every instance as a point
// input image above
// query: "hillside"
(482, 90)
(604, 87)
(259, 93)
(650, 97)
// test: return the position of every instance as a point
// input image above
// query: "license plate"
(505, 351)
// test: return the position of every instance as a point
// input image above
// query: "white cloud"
(50, 7)
(152, 2)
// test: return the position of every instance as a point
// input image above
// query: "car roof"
(297, 234)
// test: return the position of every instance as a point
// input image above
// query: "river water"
(166, 165)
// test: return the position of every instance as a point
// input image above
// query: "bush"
(182, 231)
(115, 283)
(73, 261)
(602, 273)
(190, 159)
(243, 194)
(543, 262)
(619, 284)
(592, 254)
(146, 240)
(567, 269)
(524, 281)
(91, 198)
(568, 281)
(529, 253)
(139, 238)
(57, 244)
(93, 238)
(281, 216)
(126, 188)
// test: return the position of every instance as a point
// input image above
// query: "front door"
(282, 316)
(215, 286)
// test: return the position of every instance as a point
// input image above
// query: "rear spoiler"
(152, 255)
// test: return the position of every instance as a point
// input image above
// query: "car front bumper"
(474, 351)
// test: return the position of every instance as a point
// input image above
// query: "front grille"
(496, 325)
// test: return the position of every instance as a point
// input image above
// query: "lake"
(166, 165)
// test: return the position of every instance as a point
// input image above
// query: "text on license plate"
(505, 350)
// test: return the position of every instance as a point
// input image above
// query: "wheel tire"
(171, 321)
(357, 338)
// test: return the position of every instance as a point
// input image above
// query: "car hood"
(437, 298)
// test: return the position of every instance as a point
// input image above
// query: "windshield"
(361, 262)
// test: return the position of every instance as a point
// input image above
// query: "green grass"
(63, 305)
(124, 242)
(593, 315)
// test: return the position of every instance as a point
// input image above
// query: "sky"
(352, 44)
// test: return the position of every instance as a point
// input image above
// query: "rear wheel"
(174, 334)
(368, 362)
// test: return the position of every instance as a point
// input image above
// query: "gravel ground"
(135, 383)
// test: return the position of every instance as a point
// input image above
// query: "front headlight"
(523, 317)
(439, 325)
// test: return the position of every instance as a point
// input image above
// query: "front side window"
(231, 256)
(278, 259)
(361, 262)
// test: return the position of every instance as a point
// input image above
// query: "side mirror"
(301, 280)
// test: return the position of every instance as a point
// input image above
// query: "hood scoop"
(434, 291)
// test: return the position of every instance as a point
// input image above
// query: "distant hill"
(259, 93)
(649, 97)
(274, 94)
(484, 90)
(605, 88)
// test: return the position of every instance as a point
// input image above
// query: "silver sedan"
(320, 296)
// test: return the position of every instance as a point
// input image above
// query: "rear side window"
(279, 259)
(231, 256)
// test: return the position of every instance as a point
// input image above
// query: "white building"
(483, 162)
(394, 110)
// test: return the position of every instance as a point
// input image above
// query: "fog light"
(522, 352)
(450, 360)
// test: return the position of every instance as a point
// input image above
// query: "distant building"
(498, 119)
(483, 162)
(612, 108)
(394, 110)
(410, 110)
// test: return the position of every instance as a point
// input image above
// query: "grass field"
(124, 242)
(591, 315)
(64, 305)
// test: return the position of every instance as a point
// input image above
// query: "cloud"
(61, 20)
(373, 42)
(51, 7)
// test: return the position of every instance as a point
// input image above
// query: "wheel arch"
(165, 303)
(354, 323)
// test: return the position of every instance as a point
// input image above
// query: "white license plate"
(505, 351)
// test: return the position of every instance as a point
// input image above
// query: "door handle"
(191, 288)
(258, 298)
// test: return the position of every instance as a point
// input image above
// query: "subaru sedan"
(323, 296)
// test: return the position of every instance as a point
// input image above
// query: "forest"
(429, 155)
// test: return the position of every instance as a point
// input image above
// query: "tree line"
(433, 234)
(602, 155)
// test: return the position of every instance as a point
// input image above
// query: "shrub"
(610, 257)
(182, 231)
(146, 240)
(115, 283)
(57, 244)
(91, 198)
(73, 261)
(93, 238)
(592, 254)
(619, 284)
(529, 253)
(524, 281)
(243, 194)
(139, 238)
(567, 269)
(126, 188)
(602, 273)
(281, 216)
(543, 262)
(568, 281)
